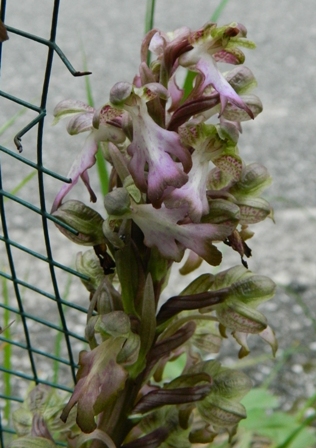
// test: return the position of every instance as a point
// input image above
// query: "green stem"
(288, 442)
(218, 11)
(114, 420)
(100, 162)
(7, 350)
(149, 20)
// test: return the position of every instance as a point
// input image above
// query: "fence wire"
(41, 345)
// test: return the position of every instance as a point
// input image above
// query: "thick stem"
(114, 420)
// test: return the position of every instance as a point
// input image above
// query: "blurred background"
(104, 37)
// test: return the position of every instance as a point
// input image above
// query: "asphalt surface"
(282, 138)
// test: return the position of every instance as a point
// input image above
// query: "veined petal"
(156, 147)
(86, 159)
(80, 123)
(268, 335)
(193, 193)
(205, 64)
(66, 108)
(161, 230)
(207, 146)
(169, 46)
(207, 43)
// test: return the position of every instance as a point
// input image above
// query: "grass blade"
(149, 17)
(100, 162)
(23, 182)
(149, 21)
(7, 350)
(219, 10)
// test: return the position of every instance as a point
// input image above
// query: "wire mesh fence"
(39, 346)
(39, 294)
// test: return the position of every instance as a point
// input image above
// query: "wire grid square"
(43, 342)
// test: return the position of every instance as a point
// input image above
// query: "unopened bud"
(254, 179)
(117, 202)
(120, 92)
(85, 220)
(221, 411)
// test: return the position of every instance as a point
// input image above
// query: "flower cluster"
(177, 182)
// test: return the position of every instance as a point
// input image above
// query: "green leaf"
(259, 398)
(128, 273)
(148, 318)
(174, 367)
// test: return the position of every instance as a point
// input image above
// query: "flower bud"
(253, 289)
(234, 113)
(231, 384)
(221, 211)
(241, 79)
(117, 202)
(240, 317)
(253, 210)
(254, 179)
(87, 263)
(130, 350)
(120, 92)
(220, 411)
(85, 220)
(116, 323)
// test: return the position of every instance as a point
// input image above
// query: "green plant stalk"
(287, 443)
(219, 10)
(150, 13)
(100, 162)
(149, 21)
(114, 420)
(308, 403)
(7, 349)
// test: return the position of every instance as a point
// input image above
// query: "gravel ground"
(281, 138)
